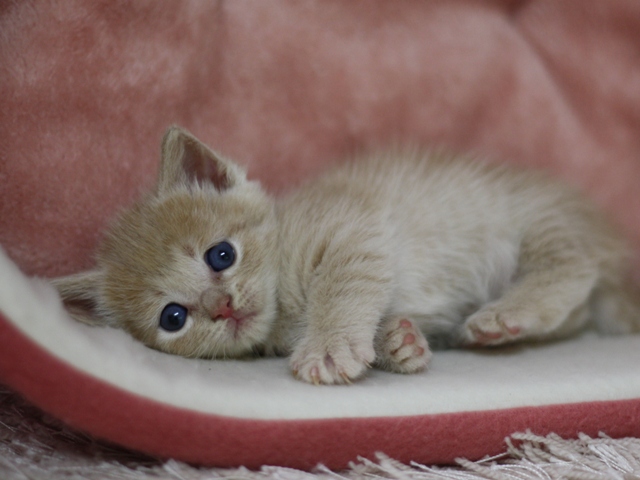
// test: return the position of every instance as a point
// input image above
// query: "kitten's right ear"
(186, 159)
(79, 294)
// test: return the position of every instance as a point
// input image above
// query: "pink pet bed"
(288, 88)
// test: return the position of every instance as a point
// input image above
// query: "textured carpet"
(35, 446)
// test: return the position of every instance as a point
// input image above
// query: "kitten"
(357, 268)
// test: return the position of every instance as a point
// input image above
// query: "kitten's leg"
(345, 302)
(616, 305)
(401, 347)
(548, 297)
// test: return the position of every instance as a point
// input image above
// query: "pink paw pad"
(404, 323)
(406, 348)
(513, 330)
(483, 335)
(490, 326)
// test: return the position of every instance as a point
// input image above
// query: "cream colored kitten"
(356, 268)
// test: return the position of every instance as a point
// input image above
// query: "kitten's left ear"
(80, 293)
(186, 159)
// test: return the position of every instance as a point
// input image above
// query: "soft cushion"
(253, 412)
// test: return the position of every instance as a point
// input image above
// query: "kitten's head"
(191, 269)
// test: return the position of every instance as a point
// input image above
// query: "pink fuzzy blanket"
(286, 87)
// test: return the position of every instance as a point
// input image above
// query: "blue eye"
(173, 317)
(220, 256)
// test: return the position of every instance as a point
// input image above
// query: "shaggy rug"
(35, 446)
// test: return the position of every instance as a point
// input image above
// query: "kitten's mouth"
(236, 322)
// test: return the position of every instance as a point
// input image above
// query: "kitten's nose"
(223, 310)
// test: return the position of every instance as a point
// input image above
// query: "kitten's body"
(351, 268)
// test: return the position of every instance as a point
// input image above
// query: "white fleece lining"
(589, 368)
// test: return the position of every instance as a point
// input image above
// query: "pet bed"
(252, 412)
(285, 88)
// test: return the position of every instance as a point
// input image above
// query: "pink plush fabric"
(287, 87)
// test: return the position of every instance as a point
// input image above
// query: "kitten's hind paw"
(493, 325)
(333, 361)
(401, 347)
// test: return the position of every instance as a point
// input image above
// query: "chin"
(248, 339)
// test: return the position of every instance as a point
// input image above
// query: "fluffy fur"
(358, 267)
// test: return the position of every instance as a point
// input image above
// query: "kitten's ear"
(186, 159)
(79, 294)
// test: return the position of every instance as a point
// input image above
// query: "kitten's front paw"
(330, 361)
(402, 347)
(493, 325)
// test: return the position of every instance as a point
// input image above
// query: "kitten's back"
(449, 230)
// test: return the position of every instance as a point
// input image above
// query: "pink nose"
(224, 309)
